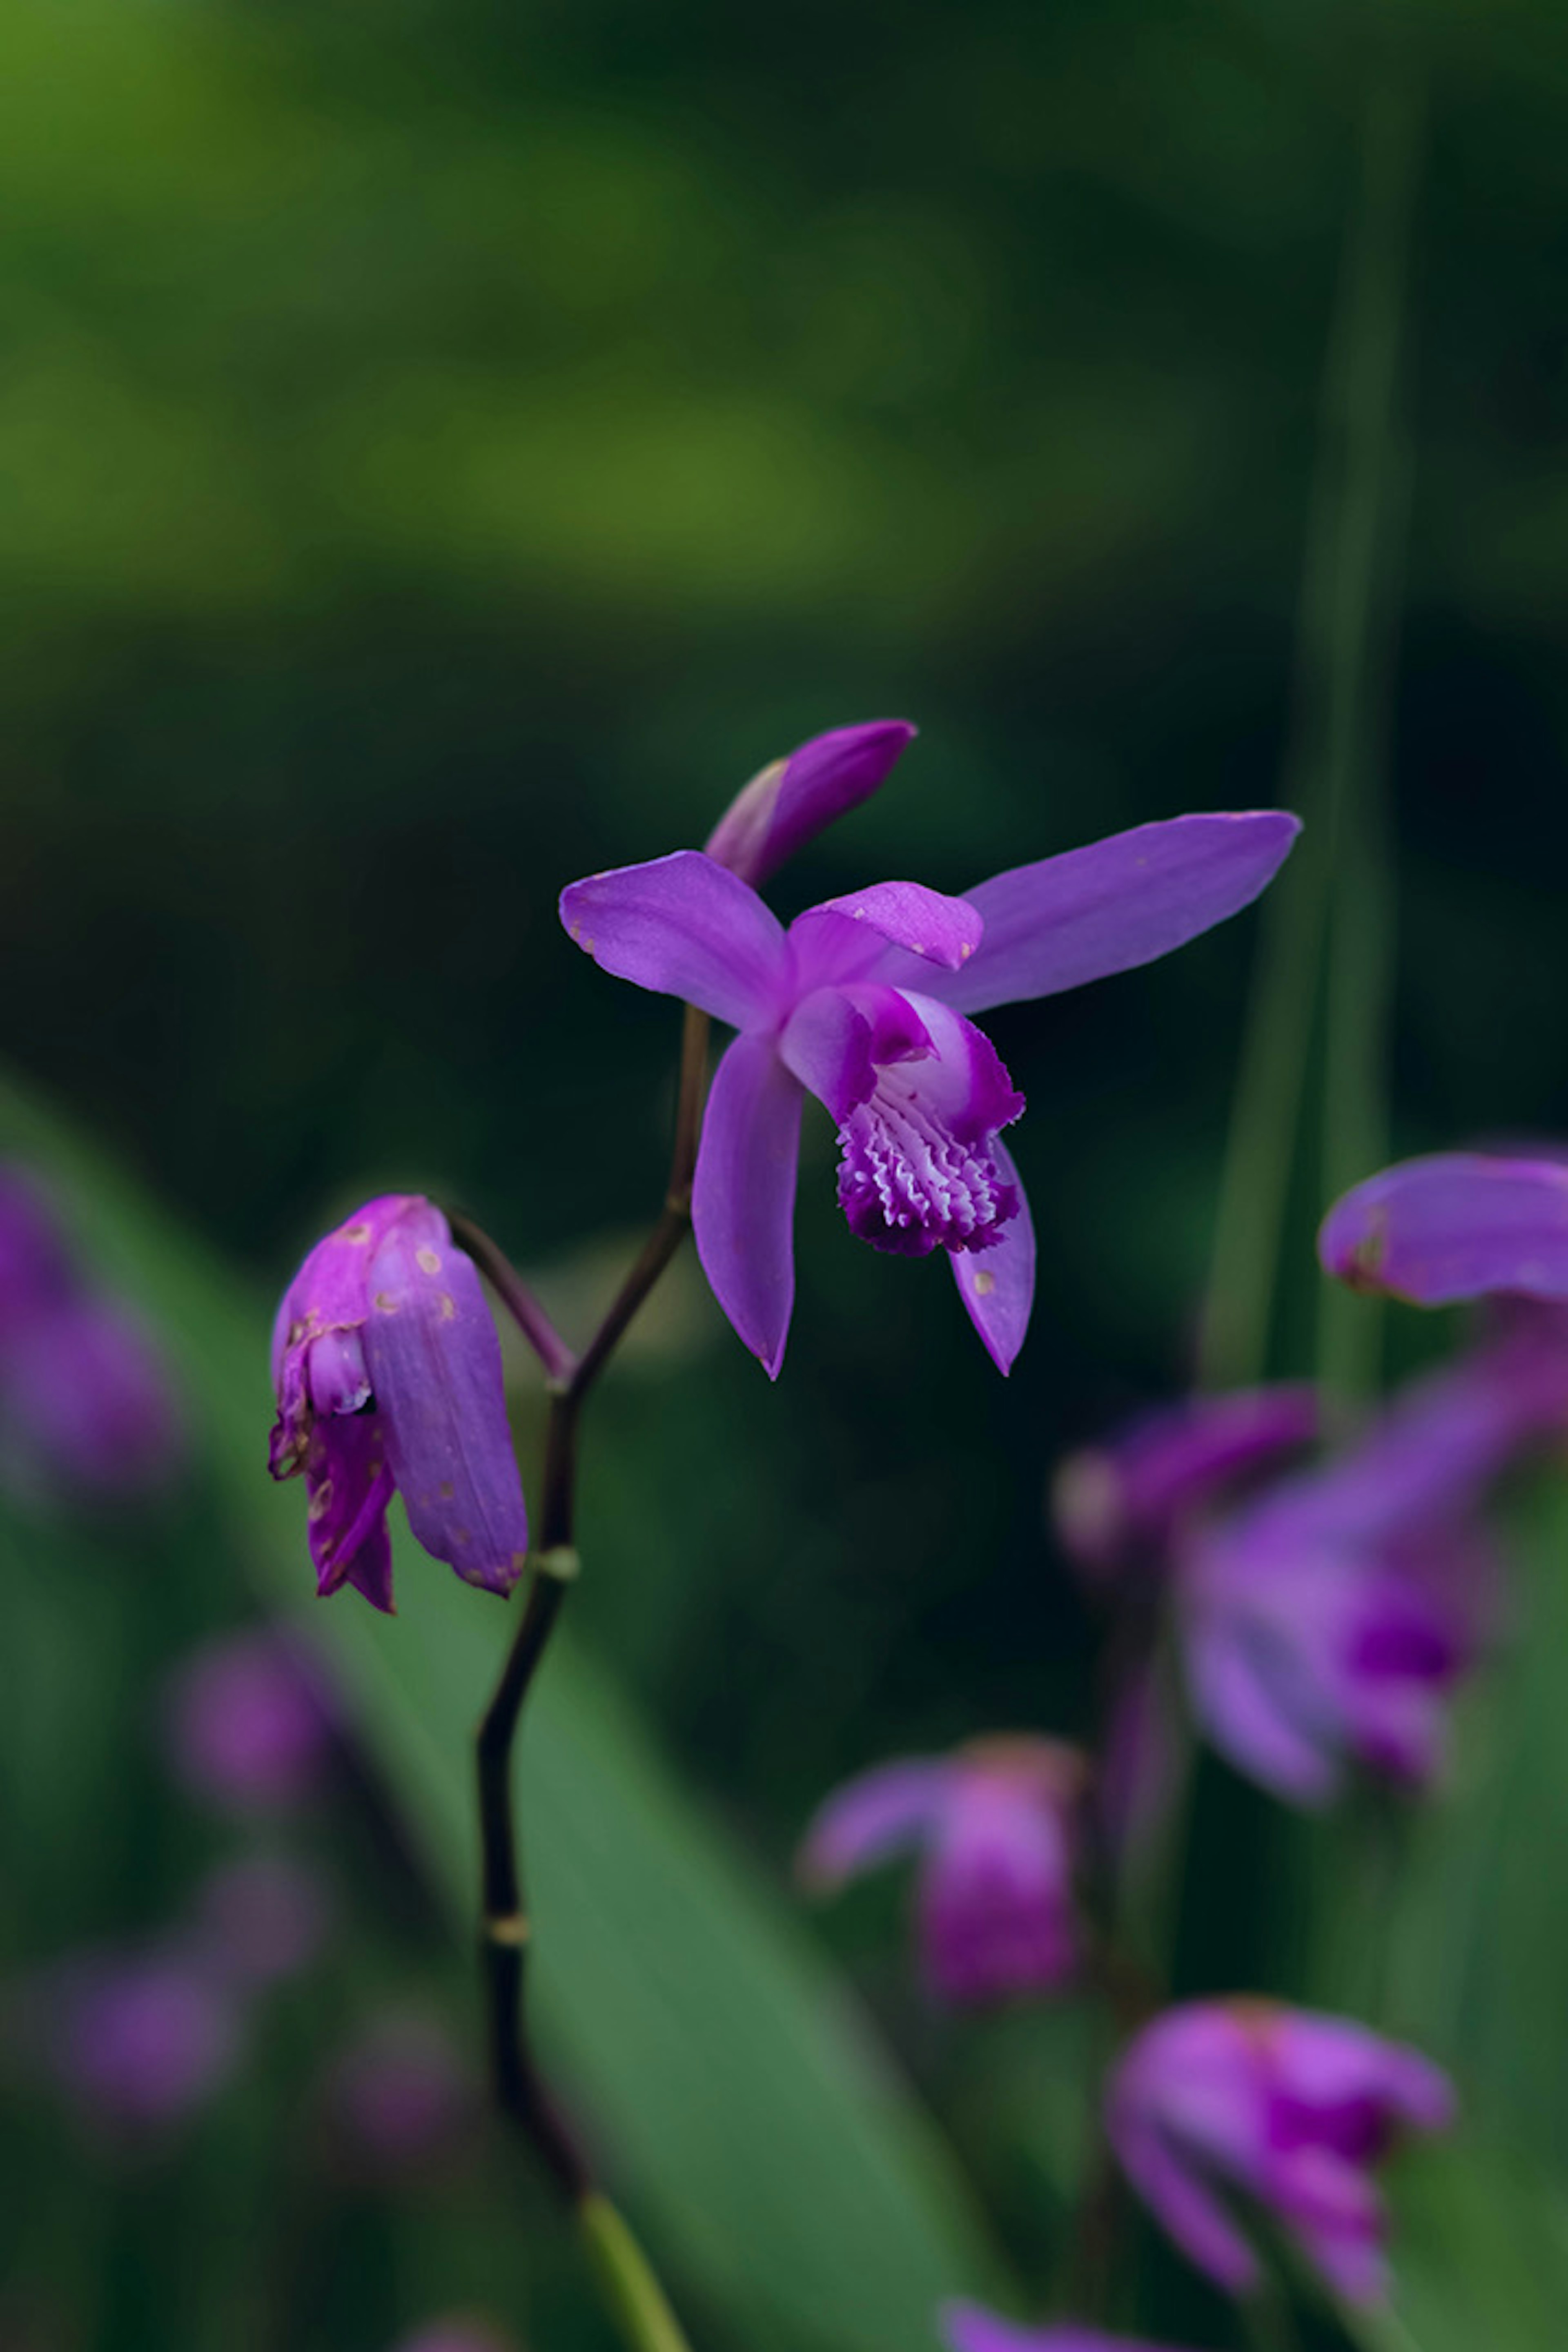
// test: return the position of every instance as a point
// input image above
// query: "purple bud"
(262, 1919)
(399, 2095)
(791, 801)
(997, 1825)
(1124, 1501)
(1457, 1225)
(1283, 2107)
(969, 2327)
(388, 1373)
(249, 1727)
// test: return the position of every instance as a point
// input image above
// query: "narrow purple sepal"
(969, 2327)
(1116, 904)
(791, 801)
(683, 926)
(742, 1199)
(1456, 1225)
(434, 1363)
(997, 1285)
(880, 1815)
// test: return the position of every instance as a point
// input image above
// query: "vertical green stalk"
(1326, 923)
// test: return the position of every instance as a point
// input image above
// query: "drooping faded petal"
(877, 1815)
(743, 1202)
(1456, 1225)
(1115, 1502)
(348, 1483)
(684, 926)
(789, 801)
(845, 938)
(997, 1284)
(1114, 905)
(434, 1363)
(969, 2327)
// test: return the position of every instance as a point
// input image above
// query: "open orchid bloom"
(864, 1001)
(388, 1373)
(969, 2327)
(1121, 1504)
(996, 1825)
(1290, 2108)
(1325, 1624)
(1457, 1225)
(791, 801)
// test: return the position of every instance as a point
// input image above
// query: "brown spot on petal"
(359, 1234)
(385, 1303)
(321, 1502)
(463, 1536)
(448, 1307)
(446, 1490)
(985, 1284)
(428, 1261)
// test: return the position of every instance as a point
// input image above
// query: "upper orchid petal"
(878, 1814)
(843, 939)
(742, 1201)
(1453, 1226)
(997, 1285)
(684, 926)
(1114, 905)
(435, 1362)
(789, 801)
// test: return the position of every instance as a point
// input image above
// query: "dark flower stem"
(631, 2290)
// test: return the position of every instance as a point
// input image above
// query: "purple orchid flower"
(1326, 1623)
(388, 1373)
(996, 1823)
(1460, 1224)
(1290, 2109)
(89, 1413)
(251, 1723)
(864, 1001)
(141, 2040)
(1124, 1503)
(969, 2327)
(789, 801)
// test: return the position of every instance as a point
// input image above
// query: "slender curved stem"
(632, 2292)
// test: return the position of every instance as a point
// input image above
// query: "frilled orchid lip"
(389, 1377)
(864, 1002)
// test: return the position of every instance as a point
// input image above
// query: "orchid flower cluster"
(1323, 1595)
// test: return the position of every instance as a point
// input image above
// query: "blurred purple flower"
(1326, 1623)
(1121, 1504)
(789, 801)
(140, 2039)
(399, 2095)
(1283, 2106)
(261, 1919)
(996, 1824)
(969, 2327)
(862, 1003)
(388, 1373)
(1460, 1224)
(249, 1725)
(460, 2333)
(88, 1407)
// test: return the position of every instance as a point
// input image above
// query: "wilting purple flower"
(250, 1725)
(388, 1373)
(1121, 1504)
(1326, 1623)
(969, 2327)
(863, 1002)
(1456, 1225)
(791, 800)
(1287, 2108)
(141, 2040)
(399, 2095)
(261, 1919)
(995, 1823)
(88, 1408)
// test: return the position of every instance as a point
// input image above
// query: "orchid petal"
(435, 1361)
(350, 1487)
(684, 926)
(924, 923)
(1453, 1226)
(995, 1899)
(743, 1202)
(835, 1037)
(997, 1285)
(878, 1814)
(789, 801)
(1114, 905)
(1255, 1699)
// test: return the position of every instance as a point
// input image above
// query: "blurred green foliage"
(445, 451)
